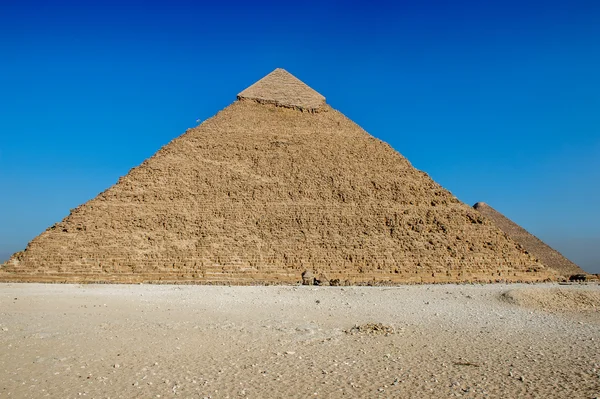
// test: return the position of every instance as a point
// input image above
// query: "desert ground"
(425, 341)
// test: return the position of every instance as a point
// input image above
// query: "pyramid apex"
(480, 205)
(284, 89)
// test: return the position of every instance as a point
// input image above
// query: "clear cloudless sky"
(499, 101)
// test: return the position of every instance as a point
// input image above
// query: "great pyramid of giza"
(276, 184)
(546, 254)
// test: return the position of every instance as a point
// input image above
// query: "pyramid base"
(359, 279)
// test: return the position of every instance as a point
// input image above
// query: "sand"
(147, 341)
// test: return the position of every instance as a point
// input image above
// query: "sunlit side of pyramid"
(546, 254)
(264, 191)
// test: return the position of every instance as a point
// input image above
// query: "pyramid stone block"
(263, 192)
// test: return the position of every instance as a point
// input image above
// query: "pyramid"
(546, 254)
(276, 185)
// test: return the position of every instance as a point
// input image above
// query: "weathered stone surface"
(546, 254)
(260, 193)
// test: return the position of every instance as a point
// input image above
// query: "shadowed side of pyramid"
(284, 89)
(546, 254)
(262, 193)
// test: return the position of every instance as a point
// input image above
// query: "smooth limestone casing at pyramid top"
(262, 192)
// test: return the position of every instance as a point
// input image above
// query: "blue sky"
(499, 101)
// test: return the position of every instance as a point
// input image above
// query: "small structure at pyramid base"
(275, 184)
(546, 254)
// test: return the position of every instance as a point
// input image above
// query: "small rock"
(117, 365)
(308, 278)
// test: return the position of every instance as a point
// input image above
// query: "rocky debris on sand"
(577, 277)
(555, 299)
(371, 328)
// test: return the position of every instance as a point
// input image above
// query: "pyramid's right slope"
(546, 254)
(262, 192)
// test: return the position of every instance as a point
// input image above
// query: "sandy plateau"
(432, 341)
